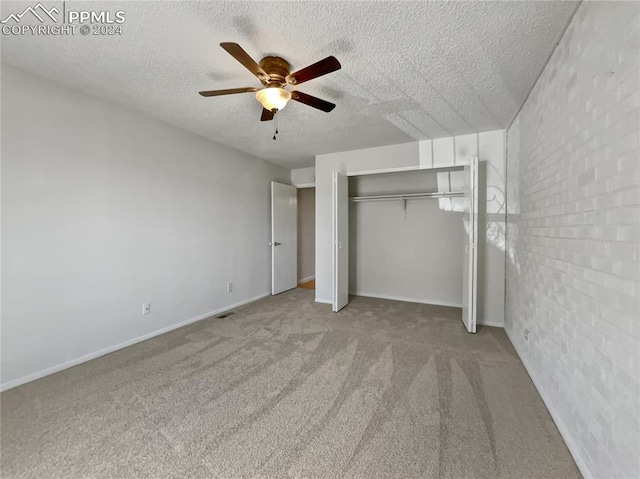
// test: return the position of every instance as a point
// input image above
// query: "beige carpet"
(285, 388)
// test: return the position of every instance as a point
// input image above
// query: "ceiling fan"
(274, 74)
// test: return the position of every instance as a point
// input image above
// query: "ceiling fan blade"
(243, 57)
(312, 101)
(328, 65)
(266, 115)
(229, 91)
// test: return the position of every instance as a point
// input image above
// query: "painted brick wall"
(573, 241)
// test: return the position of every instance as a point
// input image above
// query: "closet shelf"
(408, 196)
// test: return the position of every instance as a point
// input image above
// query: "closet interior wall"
(413, 254)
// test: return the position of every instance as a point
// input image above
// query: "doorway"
(466, 181)
(405, 246)
(306, 238)
(283, 237)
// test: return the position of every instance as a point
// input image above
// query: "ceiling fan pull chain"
(275, 126)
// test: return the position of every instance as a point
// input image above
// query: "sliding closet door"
(470, 262)
(340, 241)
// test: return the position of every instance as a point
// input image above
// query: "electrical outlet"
(146, 308)
(526, 335)
(229, 287)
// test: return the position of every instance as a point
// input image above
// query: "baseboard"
(324, 301)
(304, 280)
(408, 300)
(491, 323)
(88, 357)
(565, 431)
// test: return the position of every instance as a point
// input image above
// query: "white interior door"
(470, 263)
(340, 241)
(284, 237)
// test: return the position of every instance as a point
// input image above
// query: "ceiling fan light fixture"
(273, 98)
(275, 73)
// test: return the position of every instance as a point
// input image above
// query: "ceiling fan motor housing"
(277, 68)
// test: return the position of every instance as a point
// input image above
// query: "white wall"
(573, 270)
(303, 177)
(306, 233)
(415, 256)
(104, 209)
(489, 147)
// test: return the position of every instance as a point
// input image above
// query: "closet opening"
(306, 237)
(408, 236)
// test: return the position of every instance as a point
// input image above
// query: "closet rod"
(407, 196)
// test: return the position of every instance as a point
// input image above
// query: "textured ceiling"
(410, 70)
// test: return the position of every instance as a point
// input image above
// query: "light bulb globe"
(273, 98)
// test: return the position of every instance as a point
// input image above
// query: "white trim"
(304, 280)
(408, 300)
(271, 241)
(490, 322)
(435, 166)
(305, 185)
(565, 431)
(88, 357)
(486, 322)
